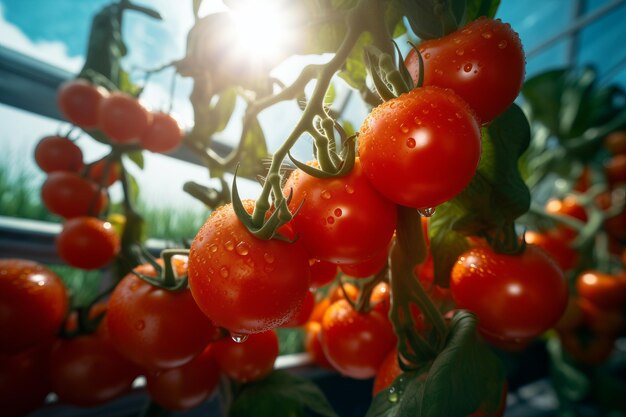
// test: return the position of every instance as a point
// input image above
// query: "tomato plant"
(87, 242)
(79, 101)
(58, 153)
(153, 327)
(483, 62)
(420, 149)
(342, 220)
(247, 360)
(514, 296)
(34, 303)
(69, 195)
(230, 271)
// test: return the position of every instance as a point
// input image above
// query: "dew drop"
(427, 55)
(224, 271)
(140, 325)
(239, 338)
(410, 143)
(269, 258)
(330, 220)
(213, 248)
(417, 121)
(486, 35)
(467, 67)
(135, 286)
(242, 248)
(459, 52)
(425, 111)
(338, 212)
(325, 195)
(349, 189)
(404, 129)
(502, 44)
(392, 396)
(426, 212)
(229, 245)
(438, 72)
(458, 115)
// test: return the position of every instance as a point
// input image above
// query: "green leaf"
(83, 286)
(496, 196)
(430, 19)
(137, 158)
(221, 112)
(543, 94)
(477, 8)
(569, 382)
(399, 398)
(465, 376)
(278, 395)
(254, 149)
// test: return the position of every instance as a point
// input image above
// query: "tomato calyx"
(332, 164)
(504, 240)
(390, 79)
(167, 278)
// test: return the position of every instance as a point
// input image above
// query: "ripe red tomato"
(615, 142)
(355, 343)
(420, 149)
(483, 63)
(568, 206)
(592, 351)
(322, 272)
(604, 290)
(33, 304)
(342, 220)
(380, 299)
(387, 372)
(123, 118)
(303, 314)
(24, 381)
(163, 135)
(615, 169)
(337, 293)
(68, 195)
(514, 296)
(313, 345)
(319, 309)
(79, 101)
(366, 268)
(87, 243)
(242, 283)
(153, 327)
(87, 371)
(187, 386)
(96, 172)
(600, 321)
(249, 360)
(58, 153)
(556, 244)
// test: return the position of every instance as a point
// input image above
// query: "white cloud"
(54, 53)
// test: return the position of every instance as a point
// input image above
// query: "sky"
(56, 32)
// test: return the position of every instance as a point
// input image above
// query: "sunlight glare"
(260, 30)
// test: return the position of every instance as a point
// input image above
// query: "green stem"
(169, 274)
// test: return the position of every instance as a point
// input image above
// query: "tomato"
(163, 135)
(420, 149)
(244, 284)
(341, 220)
(313, 345)
(388, 371)
(319, 309)
(79, 101)
(250, 360)
(123, 118)
(556, 244)
(355, 343)
(24, 381)
(153, 327)
(337, 293)
(68, 195)
(568, 206)
(33, 304)
(187, 386)
(58, 153)
(87, 243)
(87, 371)
(366, 268)
(322, 272)
(303, 313)
(592, 351)
(96, 172)
(380, 299)
(615, 169)
(514, 296)
(602, 322)
(614, 226)
(615, 142)
(572, 318)
(605, 291)
(97, 310)
(483, 63)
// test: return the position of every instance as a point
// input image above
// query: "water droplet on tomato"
(213, 248)
(438, 71)
(349, 189)
(242, 248)
(140, 325)
(426, 212)
(239, 338)
(486, 34)
(392, 395)
(330, 220)
(229, 245)
(410, 143)
(426, 55)
(459, 52)
(135, 286)
(325, 195)
(425, 111)
(467, 67)
(458, 115)
(404, 129)
(224, 271)
(269, 258)
(502, 44)
(338, 212)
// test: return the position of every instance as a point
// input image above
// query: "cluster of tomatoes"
(93, 356)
